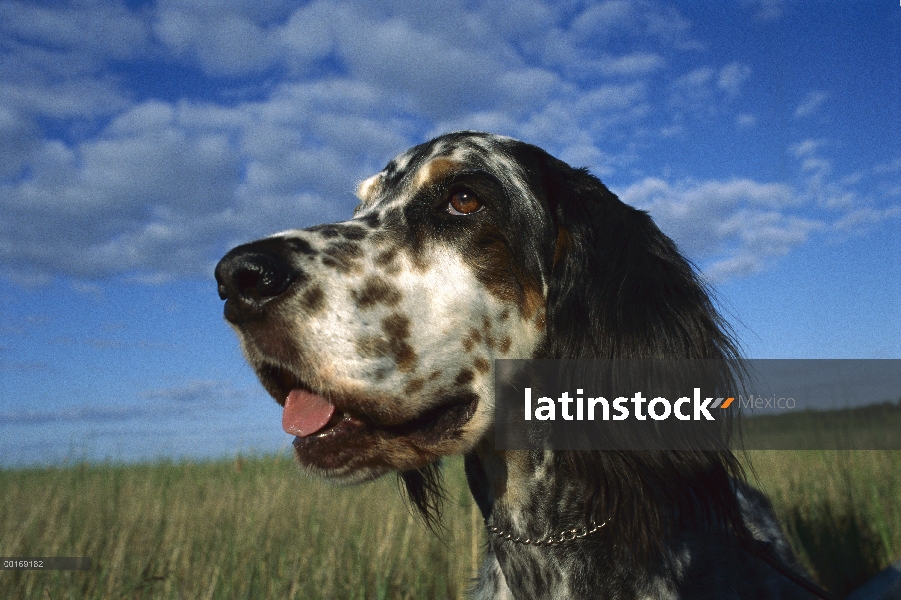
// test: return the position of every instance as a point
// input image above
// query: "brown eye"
(464, 202)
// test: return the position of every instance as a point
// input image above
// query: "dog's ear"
(619, 288)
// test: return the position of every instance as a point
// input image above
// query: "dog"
(378, 335)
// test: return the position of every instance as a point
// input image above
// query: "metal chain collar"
(567, 535)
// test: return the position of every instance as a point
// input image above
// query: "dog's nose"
(250, 277)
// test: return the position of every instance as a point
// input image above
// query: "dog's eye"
(464, 202)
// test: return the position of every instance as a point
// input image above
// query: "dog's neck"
(536, 495)
(530, 496)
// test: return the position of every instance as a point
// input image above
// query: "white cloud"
(699, 91)
(732, 76)
(746, 120)
(633, 65)
(101, 28)
(616, 18)
(18, 141)
(197, 391)
(706, 92)
(860, 217)
(696, 78)
(437, 78)
(732, 228)
(52, 58)
(34, 90)
(806, 148)
(888, 167)
(189, 399)
(223, 44)
(811, 104)
(605, 17)
(308, 34)
(608, 39)
(526, 88)
(816, 164)
(822, 185)
(767, 10)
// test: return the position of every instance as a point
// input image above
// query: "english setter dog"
(378, 335)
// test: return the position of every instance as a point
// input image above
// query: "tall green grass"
(256, 528)
(841, 509)
(249, 528)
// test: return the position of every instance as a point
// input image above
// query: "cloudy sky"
(141, 140)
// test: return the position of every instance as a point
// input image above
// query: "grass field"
(256, 528)
(876, 426)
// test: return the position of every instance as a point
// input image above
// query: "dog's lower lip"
(339, 425)
(339, 417)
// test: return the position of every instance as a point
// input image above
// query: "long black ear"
(619, 286)
(620, 289)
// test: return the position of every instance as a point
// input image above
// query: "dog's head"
(378, 334)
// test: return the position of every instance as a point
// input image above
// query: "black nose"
(250, 277)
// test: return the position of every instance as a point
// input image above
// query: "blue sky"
(141, 140)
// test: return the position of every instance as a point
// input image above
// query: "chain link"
(565, 536)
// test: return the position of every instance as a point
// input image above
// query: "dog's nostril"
(253, 277)
(262, 278)
(249, 280)
(254, 280)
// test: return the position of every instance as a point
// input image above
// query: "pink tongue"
(305, 413)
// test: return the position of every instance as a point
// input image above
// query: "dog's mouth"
(334, 437)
